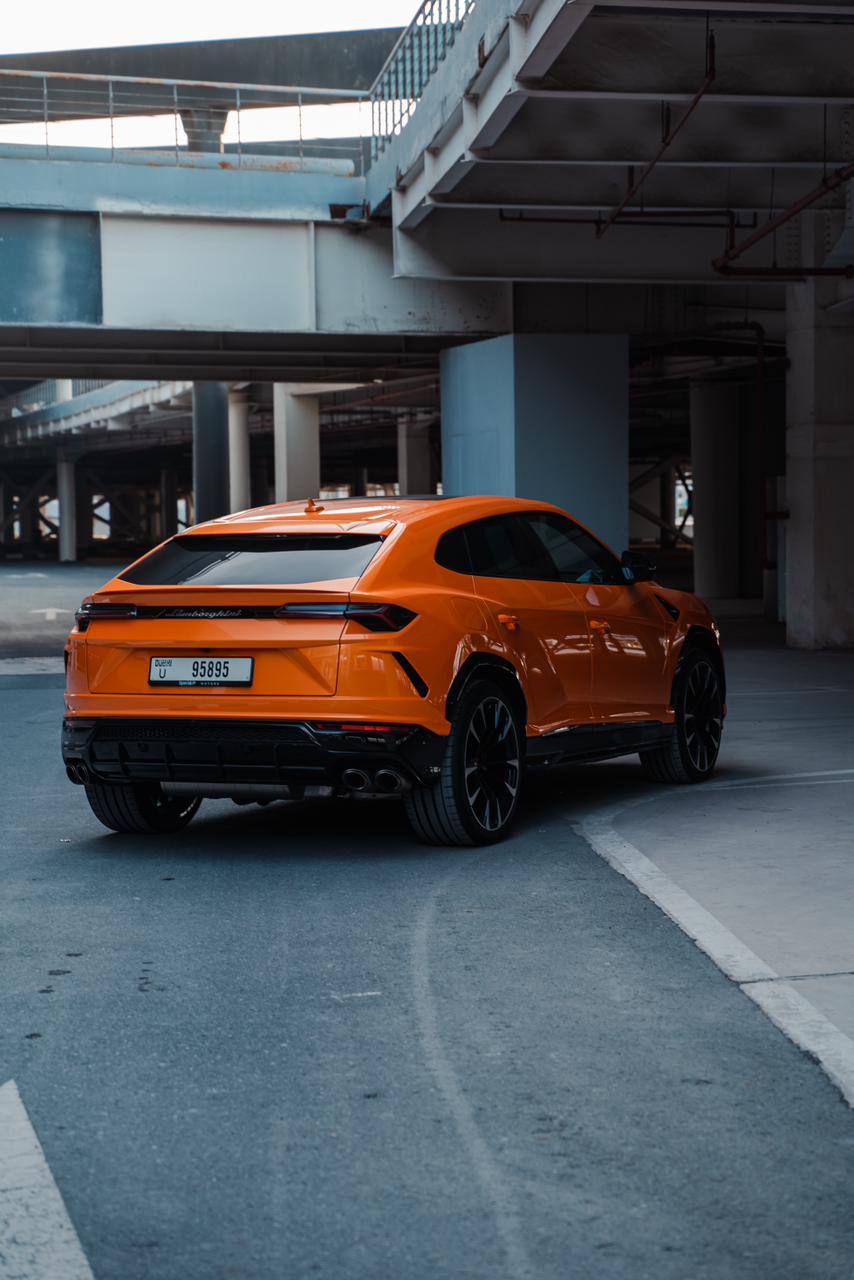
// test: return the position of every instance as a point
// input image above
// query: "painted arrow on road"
(50, 614)
(37, 1238)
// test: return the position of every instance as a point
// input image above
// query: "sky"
(56, 24)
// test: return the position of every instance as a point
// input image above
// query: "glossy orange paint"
(583, 653)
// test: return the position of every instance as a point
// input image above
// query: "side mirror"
(637, 567)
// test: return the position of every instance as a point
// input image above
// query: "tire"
(692, 751)
(139, 807)
(476, 798)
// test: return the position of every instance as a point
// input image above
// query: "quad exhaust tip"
(355, 779)
(387, 782)
(77, 772)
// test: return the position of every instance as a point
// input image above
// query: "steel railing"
(43, 395)
(413, 60)
(44, 109)
(181, 119)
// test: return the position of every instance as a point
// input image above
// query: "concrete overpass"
(613, 227)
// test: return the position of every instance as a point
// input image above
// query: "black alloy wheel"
(141, 808)
(692, 752)
(476, 797)
(491, 763)
(703, 716)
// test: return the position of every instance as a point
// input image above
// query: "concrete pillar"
(64, 389)
(715, 450)
(168, 505)
(819, 545)
(541, 416)
(667, 506)
(239, 493)
(413, 458)
(204, 127)
(7, 496)
(83, 499)
(729, 485)
(358, 482)
(210, 450)
(296, 444)
(67, 498)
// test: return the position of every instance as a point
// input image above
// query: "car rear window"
(254, 560)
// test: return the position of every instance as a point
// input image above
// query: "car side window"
(576, 556)
(452, 551)
(504, 547)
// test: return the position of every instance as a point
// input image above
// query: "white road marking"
(354, 995)
(805, 1025)
(25, 575)
(32, 666)
(487, 1170)
(37, 1238)
(50, 615)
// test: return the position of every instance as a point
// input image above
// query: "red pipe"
(669, 137)
(836, 179)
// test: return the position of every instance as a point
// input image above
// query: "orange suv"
(433, 649)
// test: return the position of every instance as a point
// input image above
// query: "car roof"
(362, 515)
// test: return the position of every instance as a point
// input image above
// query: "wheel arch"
(703, 640)
(492, 667)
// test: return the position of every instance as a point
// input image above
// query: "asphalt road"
(291, 1042)
(38, 599)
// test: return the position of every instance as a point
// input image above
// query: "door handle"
(509, 620)
(600, 624)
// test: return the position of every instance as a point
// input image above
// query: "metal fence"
(413, 60)
(42, 395)
(175, 120)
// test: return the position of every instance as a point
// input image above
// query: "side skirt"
(590, 742)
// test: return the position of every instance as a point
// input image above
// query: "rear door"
(628, 632)
(257, 615)
(540, 619)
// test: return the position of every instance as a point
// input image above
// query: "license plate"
(208, 672)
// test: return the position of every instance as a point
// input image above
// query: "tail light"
(90, 611)
(373, 617)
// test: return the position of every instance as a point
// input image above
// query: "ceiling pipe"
(723, 264)
(669, 137)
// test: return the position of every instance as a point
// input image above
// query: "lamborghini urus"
(431, 649)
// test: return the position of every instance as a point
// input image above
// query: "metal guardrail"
(413, 60)
(36, 108)
(42, 395)
(193, 116)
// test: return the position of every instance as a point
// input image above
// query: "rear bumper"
(283, 753)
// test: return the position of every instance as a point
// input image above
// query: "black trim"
(668, 606)
(245, 751)
(418, 682)
(586, 743)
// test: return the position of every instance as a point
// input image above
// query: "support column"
(66, 496)
(168, 503)
(210, 450)
(296, 444)
(64, 389)
(541, 416)
(819, 590)
(413, 458)
(715, 410)
(83, 498)
(239, 493)
(7, 532)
